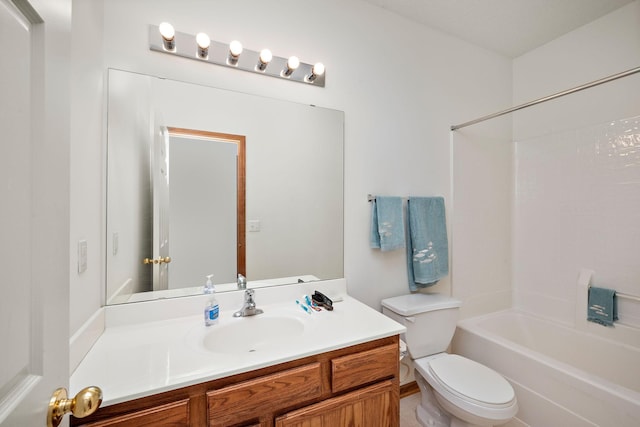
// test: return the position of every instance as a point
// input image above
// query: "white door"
(34, 200)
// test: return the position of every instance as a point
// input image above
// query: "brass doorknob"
(160, 260)
(85, 403)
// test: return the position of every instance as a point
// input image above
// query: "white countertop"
(134, 360)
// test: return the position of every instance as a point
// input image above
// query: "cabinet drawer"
(245, 401)
(173, 414)
(364, 367)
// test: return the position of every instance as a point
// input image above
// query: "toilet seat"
(468, 386)
(487, 387)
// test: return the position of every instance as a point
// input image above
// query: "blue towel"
(387, 225)
(427, 245)
(602, 306)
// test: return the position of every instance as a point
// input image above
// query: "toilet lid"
(471, 380)
(417, 303)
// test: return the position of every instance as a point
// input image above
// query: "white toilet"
(455, 391)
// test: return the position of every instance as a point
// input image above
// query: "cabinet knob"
(85, 403)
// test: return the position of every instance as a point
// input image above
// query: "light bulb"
(264, 59)
(292, 63)
(266, 56)
(168, 33)
(203, 41)
(318, 69)
(235, 47)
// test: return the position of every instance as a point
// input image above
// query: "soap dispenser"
(212, 309)
(208, 286)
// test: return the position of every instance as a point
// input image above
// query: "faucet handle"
(248, 295)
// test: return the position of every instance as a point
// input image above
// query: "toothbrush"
(304, 307)
(310, 304)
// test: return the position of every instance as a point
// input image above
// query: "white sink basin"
(253, 333)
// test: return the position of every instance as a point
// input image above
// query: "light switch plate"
(254, 225)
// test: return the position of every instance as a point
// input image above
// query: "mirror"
(192, 171)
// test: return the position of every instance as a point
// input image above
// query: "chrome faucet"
(249, 307)
(242, 282)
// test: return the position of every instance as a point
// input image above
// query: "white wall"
(401, 86)
(577, 191)
(604, 47)
(87, 210)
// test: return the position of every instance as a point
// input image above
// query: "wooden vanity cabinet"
(353, 386)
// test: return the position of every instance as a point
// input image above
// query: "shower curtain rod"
(549, 98)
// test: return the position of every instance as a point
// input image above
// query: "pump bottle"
(212, 309)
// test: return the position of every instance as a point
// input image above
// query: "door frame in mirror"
(240, 141)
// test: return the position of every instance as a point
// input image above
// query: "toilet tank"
(430, 320)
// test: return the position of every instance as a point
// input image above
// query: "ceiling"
(509, 27)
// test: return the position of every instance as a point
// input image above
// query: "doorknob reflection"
(160, 260)
(85, 403)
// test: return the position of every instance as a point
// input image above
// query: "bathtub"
(561, 376)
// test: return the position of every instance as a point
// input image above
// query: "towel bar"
(627, 296)
(371, 198)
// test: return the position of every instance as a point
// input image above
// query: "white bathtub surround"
(153, 347)
(482, 187)
(576, 192)
(561, 376)
(577, 172)
(626, 330)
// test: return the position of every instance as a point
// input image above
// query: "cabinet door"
(374, 406)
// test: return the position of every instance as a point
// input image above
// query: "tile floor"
(408, 413)
(408, 410)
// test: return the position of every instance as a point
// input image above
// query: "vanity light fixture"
(235, 49)
(168, 36)
(203, 41)
(292, 64)
(163, 38)
(263, 60)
